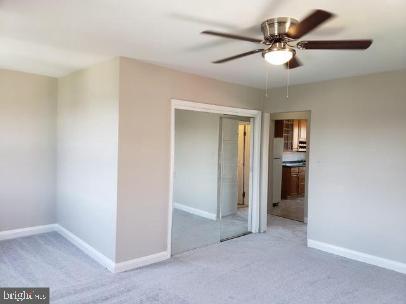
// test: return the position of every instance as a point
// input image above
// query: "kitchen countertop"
(294, 164)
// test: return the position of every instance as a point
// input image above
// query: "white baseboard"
(107, 262)
(86, 248)
(17, 233)
(142, 261)
(358, 256)
(198, 212)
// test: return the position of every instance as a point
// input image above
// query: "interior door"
(233, 220)
(244, 140)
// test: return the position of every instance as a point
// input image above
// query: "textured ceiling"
(56, 37)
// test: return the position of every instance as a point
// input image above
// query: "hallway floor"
(274, 267)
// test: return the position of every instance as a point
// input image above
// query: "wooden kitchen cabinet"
(278, 133)
(302, 125)
(294, 134)
(288, 135)
(293, 182)
(302, 184)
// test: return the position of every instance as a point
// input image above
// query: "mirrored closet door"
(211, 179)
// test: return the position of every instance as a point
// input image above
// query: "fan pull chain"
(269, 77)
(288, 82)
(266, 84)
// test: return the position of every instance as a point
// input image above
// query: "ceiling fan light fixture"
(279, 32)
(278, 55)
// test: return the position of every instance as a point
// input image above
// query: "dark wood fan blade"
(335, 44)
(293, 63)
(232, 36)
(238, 56)
(308, 24)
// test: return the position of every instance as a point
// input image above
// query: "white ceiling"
(56, 37)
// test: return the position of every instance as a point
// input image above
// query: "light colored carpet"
(190, 231)
(271, 268)
(235, 224)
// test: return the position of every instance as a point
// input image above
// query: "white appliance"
(277, 170)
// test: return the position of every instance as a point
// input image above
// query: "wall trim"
(28, 231)
(86, 248)
(256, 212)
(195, 211)
(264, 179)
(141, 262)
(358, 256)
(106, 261)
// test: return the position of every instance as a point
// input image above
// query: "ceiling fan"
(281, 33)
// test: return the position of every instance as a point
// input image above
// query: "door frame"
(306, 114)
(256, 200)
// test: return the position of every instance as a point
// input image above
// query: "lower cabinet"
(293, 182)
(302, 176)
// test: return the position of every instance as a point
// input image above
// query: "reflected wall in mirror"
(195, 222)
(211, 179)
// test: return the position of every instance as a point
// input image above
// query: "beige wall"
(87, 154)
(27, 150)
(357, 160)
(356, 165)
(144, 152)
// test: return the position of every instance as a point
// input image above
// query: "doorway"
(244, 140)
(234, 176)
(201, 212)
(289, 165)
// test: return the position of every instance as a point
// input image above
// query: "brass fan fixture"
(281, 33)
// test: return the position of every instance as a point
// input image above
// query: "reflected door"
(233, 218)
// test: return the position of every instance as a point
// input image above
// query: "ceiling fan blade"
(335, 44)
(232, 36)
(308, 24)
(293, 63)
(238, 56)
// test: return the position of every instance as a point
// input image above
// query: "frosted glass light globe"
(278, 57)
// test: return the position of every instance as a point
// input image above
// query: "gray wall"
(27, 150)
(144, 147)
(196, 160)
(357, 160)
(87, 154)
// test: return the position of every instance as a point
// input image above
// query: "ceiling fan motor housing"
(276, 27)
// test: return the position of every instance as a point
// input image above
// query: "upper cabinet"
(302, 130)
(278, 129)
(293, 132)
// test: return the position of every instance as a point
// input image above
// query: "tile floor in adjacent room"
(292, 209)
(270, 268)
